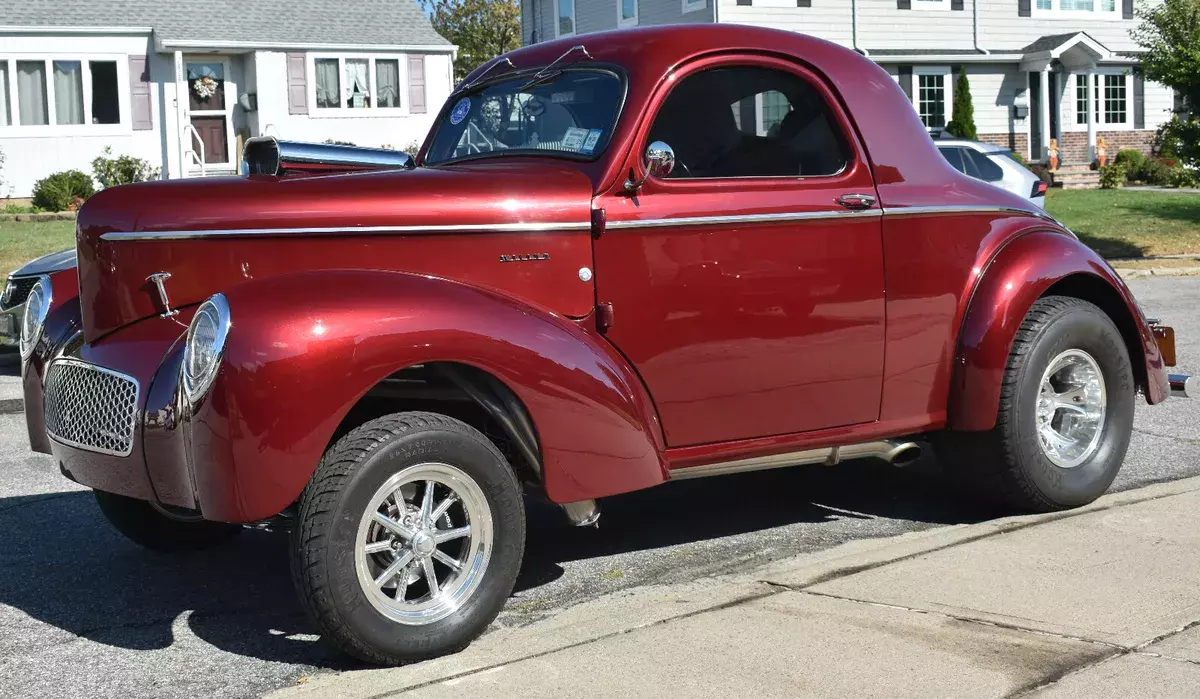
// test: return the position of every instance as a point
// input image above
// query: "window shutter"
(956, 4)
(745, 2)
(1024, 8)
(141, 104)
(1127, 9)
(416, 83)
(297, 83)
(903, 4)
(1139, 99)
(906, 80)
(803, 3)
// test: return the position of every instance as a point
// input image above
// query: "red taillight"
(1039, 188)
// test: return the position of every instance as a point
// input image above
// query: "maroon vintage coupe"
(618, 260)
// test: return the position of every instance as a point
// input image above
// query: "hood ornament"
(159, 279)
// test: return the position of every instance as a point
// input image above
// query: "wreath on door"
(205, 87)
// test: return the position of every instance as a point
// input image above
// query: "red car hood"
(325, 223)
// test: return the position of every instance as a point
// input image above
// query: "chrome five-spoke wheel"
(423, 543)
(1070, 409)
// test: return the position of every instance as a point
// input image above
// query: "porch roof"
(246, 24)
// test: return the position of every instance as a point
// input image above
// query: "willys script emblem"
(529, 257)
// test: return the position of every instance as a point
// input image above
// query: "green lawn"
(21, 242)
(1120, 223)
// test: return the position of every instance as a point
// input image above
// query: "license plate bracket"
(1164, 335)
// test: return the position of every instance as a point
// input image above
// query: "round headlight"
(205, 343)
(37, 306)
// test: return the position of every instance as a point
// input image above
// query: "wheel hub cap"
(423, 543)
(1071, 408)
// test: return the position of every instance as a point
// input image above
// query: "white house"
(182, 83)
(1029, 62)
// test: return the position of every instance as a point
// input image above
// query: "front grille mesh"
(90, 407)
(21, 286)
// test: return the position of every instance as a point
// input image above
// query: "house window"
(932, 97)
(1114, 99)
(74, 92)
(1081, 116)
(356, 82)
(627, 13)
(694, 5)
(1110, 99)
(775, 107)
(566, 17)
(1101, 8)
(31, 93)
(931, 5)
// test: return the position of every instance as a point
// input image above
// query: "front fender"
(1019, 274)
(304, 348)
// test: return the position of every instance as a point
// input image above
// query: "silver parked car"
(16, 291)
(993, 164)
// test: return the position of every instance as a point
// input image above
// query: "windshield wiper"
(503, 61)
(547, 73)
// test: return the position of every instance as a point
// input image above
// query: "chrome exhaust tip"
(585, 513)
(902, 453)
(1182, 385)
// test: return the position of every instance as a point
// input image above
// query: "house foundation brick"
(1073, 148)
(1016, 142)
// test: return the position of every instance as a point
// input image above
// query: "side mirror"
(660, 162)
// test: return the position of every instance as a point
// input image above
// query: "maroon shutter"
(416, 84)
(297, 78)
(141, 104)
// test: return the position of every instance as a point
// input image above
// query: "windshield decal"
(589, 143)
(461, 110)
(573, 140)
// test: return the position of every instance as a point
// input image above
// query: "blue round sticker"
(460, 111)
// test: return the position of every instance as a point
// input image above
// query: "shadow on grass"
(1110, 248)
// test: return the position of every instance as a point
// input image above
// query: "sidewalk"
(1098, 602)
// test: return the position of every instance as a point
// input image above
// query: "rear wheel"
(410, 538)
(1065, 418)
(161, 528)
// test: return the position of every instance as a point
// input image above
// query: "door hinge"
(604, 316)
(599, 220)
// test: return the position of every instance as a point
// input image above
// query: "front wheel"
(410, 538)
(1065, 418)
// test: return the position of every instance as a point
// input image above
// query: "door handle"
(856, 201)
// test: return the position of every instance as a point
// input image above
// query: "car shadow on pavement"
(63, 565)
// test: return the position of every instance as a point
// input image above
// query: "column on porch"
(1091, 115)
(1044, 112)
(181, 103)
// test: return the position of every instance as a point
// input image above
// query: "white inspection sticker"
(589, 143)
(574, 138)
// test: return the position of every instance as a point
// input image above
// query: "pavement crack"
(1149, 433)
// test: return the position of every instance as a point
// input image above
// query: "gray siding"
(882, 26)
(826, 18)
(601, 15)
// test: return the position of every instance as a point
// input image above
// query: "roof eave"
(49, 29)
(171, 45)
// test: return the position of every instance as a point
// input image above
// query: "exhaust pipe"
(585, 513)
(897, 452)
(1182, 385)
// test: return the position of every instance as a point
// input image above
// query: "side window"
(749, 122)
(954, 157)
(988, 171)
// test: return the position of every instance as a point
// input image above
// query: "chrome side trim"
(741, 218)
(115, 236)
(893, 451)
(963, 209)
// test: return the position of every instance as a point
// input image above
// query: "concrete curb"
(1127, 273)
(52, 216)
(630, 610)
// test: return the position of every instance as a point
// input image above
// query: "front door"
(210, 111)
(750, 301)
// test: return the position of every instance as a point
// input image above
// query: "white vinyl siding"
(1001, 29)
(881, 25)
(828, 20)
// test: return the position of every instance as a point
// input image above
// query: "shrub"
(335, 142)
(11, 208)
(110, 171)
(62, 191)
(1130, 158)
(1112, 176)
(412, 149)
(962, 118)
(1185, 177)
(1154, 171)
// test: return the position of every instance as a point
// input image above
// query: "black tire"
(143, 524)
(338, 495)
(1007, 465)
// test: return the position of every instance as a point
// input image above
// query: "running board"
(895, 452)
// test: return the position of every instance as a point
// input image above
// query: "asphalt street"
(84, 613)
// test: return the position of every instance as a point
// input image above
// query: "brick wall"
(1017, 142)
(1072, 147)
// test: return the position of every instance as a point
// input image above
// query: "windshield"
(569, 113)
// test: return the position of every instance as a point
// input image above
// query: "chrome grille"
(91, 407)
(16, 291)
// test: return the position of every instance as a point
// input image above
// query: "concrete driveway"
(85, 613)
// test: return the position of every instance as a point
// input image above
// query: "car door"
(746, 286)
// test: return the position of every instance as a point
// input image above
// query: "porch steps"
(1078, 176)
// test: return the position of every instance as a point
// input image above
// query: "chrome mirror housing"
(660, 162)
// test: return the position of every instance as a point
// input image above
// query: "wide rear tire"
(1065, 417)
(409, 538)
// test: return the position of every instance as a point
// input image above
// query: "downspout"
(975, 28)
(854, 29)
(533, 10)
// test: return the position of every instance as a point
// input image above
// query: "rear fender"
(304, 348)
(1027, 268)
